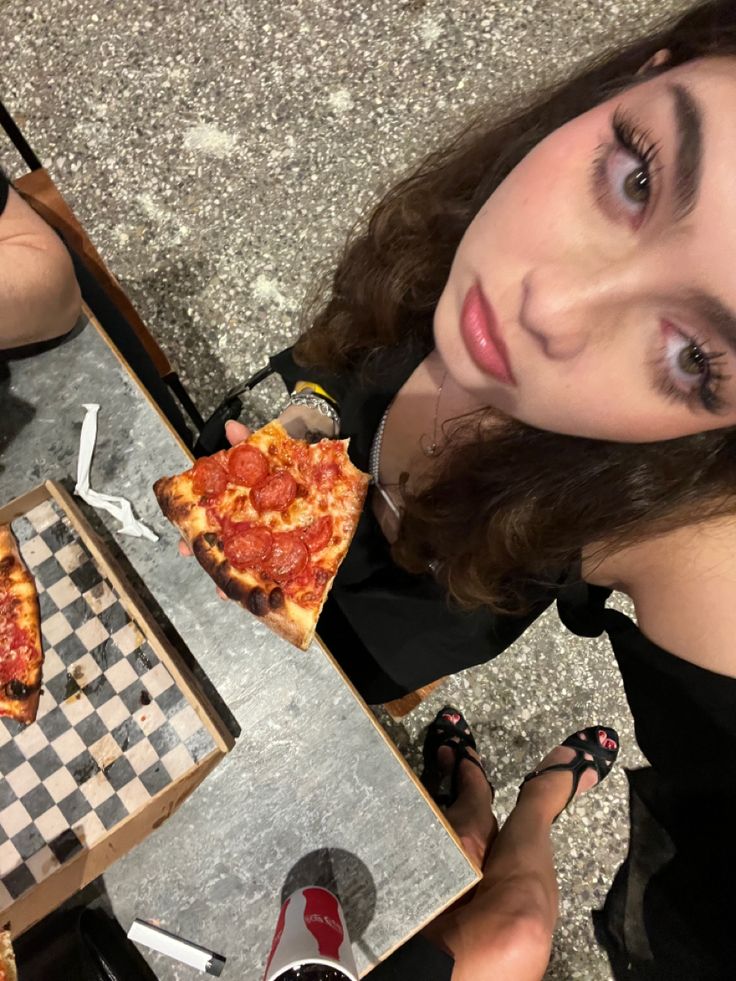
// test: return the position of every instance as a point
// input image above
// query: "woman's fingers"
(236, 432)
(221, 594)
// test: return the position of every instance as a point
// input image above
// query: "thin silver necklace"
(433, 448)
(374, 464)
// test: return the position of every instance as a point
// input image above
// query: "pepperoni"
(208, 477)
(289, 557)
(247, 549)
(247, 465)
(308, 588)
(318, 534)
(275, 493)
(326, 474)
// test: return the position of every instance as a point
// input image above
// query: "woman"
(533, 347)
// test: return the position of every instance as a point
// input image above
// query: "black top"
(668, 914)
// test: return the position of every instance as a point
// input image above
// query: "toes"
(605, 740)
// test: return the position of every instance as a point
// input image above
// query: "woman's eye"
(690, 372)
(623, 174)
(636, 185)
(691, 360)
(629, 180)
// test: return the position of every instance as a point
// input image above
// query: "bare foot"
(550, 791)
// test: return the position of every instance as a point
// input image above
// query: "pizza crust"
(20, 583)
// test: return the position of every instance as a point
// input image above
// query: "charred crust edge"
(19, 691)
(257, 602)
(220, 570)
(276, 598)
(170, 502)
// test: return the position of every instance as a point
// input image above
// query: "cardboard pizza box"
(124, 732)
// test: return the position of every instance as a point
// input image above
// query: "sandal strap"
(576, 766)
(602, 759)
(442, 732)
(457, 730)
(461, 753)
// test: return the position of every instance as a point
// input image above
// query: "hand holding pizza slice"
(270, 520)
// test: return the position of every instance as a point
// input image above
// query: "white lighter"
(173, 946)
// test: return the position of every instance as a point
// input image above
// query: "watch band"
(313, 401)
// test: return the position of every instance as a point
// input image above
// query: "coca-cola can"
(311, 930)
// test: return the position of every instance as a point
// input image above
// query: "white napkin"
(118, 507)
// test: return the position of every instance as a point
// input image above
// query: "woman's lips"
(479, 331)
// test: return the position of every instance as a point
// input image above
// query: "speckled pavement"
(217, 152)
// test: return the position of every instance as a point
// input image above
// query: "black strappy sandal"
(448, 729)
(602, 758)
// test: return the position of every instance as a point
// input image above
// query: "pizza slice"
(21, 653)
(270, 520)
(8, 970)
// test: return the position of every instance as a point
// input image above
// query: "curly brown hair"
(510, 505)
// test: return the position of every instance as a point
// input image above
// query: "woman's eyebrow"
(689, 154)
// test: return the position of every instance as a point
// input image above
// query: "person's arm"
(39, 293)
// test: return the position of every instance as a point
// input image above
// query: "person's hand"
(235, 432)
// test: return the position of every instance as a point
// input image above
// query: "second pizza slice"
(270, 520)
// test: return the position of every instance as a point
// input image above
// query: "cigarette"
(179, 950)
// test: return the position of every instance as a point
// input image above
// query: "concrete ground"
(217, 152)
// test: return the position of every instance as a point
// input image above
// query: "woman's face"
(594, 294)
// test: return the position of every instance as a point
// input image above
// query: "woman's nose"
(564, 306)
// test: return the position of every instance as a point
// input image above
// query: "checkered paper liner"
(113, 729)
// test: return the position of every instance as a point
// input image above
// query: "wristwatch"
(310, 399)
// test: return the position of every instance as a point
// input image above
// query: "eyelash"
(706, 391)
(637, 142)
(633, 140)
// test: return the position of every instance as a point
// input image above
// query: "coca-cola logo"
(322, 919)
(326, 920)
